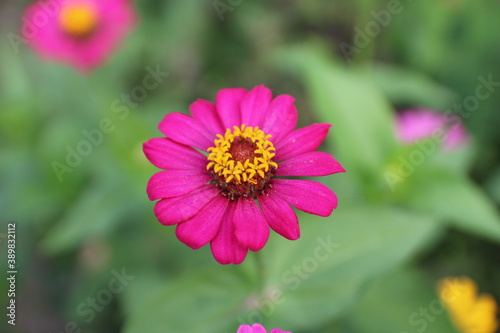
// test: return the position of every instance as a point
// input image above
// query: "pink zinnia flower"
(231, 195)
(416, 125)
(257, 328)
(80, 32)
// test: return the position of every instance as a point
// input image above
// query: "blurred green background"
(389, 245)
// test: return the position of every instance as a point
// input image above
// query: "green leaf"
(414, 163)
(321, 275)
(366, 243)
(405, 87)
(424, 47)
(493, 186)
(208, 301)
(15, 77)
(96, 213)
(456, 200)
(404, 301)
(362, 122)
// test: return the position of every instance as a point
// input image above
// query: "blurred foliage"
(391, 243)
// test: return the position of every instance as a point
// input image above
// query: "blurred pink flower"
(415, 125)
(231, 197)
(80, 32)
(257, 328)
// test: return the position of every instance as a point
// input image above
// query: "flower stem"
(261, 274)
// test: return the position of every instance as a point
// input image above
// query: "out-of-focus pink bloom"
(233, 196)
(80, 32)
(257, 328)
(415, 125)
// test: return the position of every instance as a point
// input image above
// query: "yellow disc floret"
(242, 156)
(78, 19)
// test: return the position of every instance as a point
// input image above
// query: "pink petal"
(227, 102)
(206, 113)
(280, 216)
(312, 164)
(303, 140)
(414, 125)
(203, 227)
(165, 153)
(225, 247)
(171, 211)
(245, 329)
(252, 229)
(281, 118)
(174, 183)
(258, 328)
(307, 195)
(254, 106)
(186, 130)
(456, 137)
(45, 37)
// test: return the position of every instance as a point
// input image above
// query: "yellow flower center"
(78, 19)
(241, 161)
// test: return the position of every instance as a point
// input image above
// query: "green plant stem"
(261, 274)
